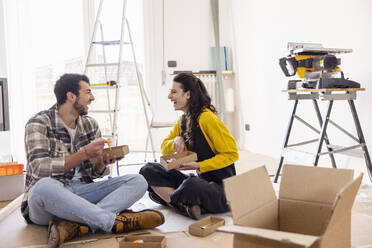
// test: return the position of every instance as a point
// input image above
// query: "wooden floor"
(4, 204)
(14, 232)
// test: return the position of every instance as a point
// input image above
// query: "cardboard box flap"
(344, 202)
(248, 191)
(283, 237)
(313, 184)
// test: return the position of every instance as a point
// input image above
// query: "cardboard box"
(206, 226)
(118, 151)
(173, 161)
(143, 241)
(313, 209)
(11, 187)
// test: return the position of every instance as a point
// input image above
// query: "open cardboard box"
(118, 151)
(313, 209)
(173, 161)
(206, 226)
(143, 241)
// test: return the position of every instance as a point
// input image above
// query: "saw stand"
(329, 95)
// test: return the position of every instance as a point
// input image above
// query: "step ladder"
(109, 84)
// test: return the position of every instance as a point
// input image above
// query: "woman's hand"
(178, 144)
(189, 166)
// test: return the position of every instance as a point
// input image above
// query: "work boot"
(192, 211)
(60, 231)
(130, 221)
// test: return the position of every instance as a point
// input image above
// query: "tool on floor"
(317, 66)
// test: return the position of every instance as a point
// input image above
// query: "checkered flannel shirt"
(47, 143)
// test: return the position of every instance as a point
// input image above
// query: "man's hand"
(104, 161)
(95, 148)
(89, 151)
(178, 144)
(189, 166)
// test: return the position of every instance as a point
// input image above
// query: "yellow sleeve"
(167, 144)
(220, 140)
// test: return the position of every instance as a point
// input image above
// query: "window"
(47, 38)
(57, 44)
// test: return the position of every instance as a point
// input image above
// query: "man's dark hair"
(68, 82)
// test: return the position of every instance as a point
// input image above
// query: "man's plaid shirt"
(47, 143)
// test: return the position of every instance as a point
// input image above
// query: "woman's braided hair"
(199, 100)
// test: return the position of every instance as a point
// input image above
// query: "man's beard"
(79, 108)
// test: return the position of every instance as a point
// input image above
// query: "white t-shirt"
(72, 132)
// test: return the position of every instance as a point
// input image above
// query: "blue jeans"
(94, 204)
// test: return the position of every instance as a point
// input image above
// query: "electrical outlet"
(247, 127)
(172, 63)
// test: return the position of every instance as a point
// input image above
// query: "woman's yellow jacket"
(218, 137)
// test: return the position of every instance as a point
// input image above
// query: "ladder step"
(108, 135)
(297, 155)
(103, 111)
(100, 87)
(354, 153)
(110, 42)
(107, 64)
(161, 124)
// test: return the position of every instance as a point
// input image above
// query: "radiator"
(210, 81)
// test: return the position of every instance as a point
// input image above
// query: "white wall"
(188, 36)
(262, 30)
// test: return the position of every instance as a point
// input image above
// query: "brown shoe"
(60, 231)
(130, 221)
(192, 211)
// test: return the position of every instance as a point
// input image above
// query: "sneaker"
(154, 197)
(60, 231)
(192, 211)
(130, 221)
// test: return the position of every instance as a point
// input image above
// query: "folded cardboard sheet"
(143, 241)
(206, 226)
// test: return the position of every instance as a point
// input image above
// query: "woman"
(198, 130)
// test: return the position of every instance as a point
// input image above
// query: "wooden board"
(118, 151)
(323, 90)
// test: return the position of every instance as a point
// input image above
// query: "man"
(59, 188)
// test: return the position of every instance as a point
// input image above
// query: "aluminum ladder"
(114, 85)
